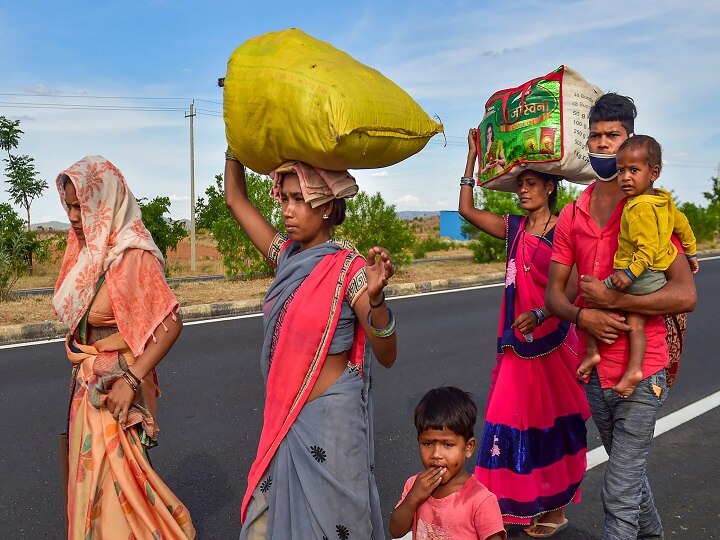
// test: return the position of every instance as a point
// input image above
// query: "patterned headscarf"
(111, 222)
(318, 186)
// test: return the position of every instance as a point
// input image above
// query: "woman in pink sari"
(313, 476)
(533, 447)
(122, 317)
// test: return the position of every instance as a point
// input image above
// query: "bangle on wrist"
(134, 377)
(380, 303)
(577, 318)
(131, 382)
(229, 156)
(539, 315)
(467, 181)
(388, 331)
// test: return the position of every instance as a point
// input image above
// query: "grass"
(39, 308)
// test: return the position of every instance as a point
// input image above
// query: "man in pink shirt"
(586, 235)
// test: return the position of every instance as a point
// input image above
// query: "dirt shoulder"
(36, 309)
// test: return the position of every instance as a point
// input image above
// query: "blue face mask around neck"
(604, 165)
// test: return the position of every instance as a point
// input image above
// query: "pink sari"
(532, 450)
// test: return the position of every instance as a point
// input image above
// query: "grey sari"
(320, 483)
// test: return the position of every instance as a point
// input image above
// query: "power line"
(85, 96)
(449, 140)
(69, 106)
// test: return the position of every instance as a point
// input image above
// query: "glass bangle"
(388, 331)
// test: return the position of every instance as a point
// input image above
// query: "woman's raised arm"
(259, 229)
(487, 222)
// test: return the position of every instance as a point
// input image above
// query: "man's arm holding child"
(605, 325)
(678, 295)
(401, 519)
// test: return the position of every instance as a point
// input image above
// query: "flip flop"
(555, 528)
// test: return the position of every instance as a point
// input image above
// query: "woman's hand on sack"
(526, 322)
(119, 399)
(379, 269)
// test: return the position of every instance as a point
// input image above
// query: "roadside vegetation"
(31, 258)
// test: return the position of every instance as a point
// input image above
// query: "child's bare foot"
(585, 369)
(627, 384)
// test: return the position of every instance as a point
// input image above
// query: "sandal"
(555, 528)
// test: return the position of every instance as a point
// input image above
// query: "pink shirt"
(471, 513)
(578, 240)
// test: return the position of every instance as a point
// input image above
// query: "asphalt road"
(210, 416)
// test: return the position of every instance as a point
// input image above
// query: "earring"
(325, 216)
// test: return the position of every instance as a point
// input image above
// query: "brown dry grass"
(39, 308)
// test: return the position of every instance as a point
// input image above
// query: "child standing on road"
(444, 500)
(645, 249)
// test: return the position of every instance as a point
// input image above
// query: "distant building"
(451, 225)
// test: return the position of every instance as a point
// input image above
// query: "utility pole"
(192, 187)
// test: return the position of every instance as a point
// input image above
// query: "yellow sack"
(289, 96)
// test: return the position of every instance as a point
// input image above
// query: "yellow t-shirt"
(648, 222)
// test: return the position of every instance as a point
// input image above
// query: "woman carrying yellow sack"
(313, 476)
(123, 319)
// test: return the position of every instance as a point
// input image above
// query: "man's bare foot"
(585, 369)
(556, 517)
(627, 384)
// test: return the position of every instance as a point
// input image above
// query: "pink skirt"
(532, 453)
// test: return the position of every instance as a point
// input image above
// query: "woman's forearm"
(157, 348)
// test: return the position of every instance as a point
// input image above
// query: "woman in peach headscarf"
(123, 319)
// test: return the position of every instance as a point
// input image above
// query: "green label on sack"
(521, 125)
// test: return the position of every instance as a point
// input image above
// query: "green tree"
(9, 134)
(25, 186)
(165, 232)
(16, 244)
(238, 252)
(702, 225)
(489, 249)
(371, 222)
(713, 209)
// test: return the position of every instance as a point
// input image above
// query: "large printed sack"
(289, 96)
(540, 125)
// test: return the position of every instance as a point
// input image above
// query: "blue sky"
(159, 55)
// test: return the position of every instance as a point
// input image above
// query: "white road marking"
(598, 456)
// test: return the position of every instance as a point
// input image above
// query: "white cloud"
(409, 200)
(380, 174)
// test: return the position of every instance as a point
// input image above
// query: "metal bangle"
(539, 315)
(229, 156)
(134, 377)
(131, 383)
(467, 181)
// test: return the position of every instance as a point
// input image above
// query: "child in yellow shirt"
(645, 249)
